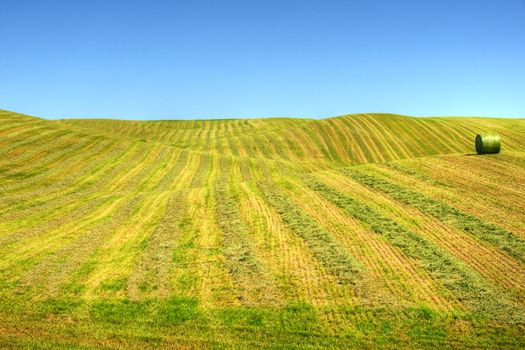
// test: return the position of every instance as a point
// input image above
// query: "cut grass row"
(487, 260)
(373, 138)
(391, 277)
(466, 285)
(333, 257)
(506, 241)
(474, 191)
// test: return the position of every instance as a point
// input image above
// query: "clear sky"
(224, 58)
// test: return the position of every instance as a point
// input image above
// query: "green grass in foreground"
(181, 322)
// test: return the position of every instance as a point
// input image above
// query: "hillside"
(368, 230)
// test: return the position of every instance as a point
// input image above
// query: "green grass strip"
(240, 260)
(331, 255)
(153, 270)
(454, 275)
(179, 323)
(471, 224)
(410, 171)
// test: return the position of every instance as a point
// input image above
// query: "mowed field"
(365, 231)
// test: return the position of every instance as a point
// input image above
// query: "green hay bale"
(488, 143)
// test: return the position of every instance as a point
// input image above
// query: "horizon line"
(257, 117)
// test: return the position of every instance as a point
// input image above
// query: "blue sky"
(214, 59)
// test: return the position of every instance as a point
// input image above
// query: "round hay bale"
(488, 143)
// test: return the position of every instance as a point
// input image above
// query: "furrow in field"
(157, 172)
(29, 251)
(232, 146)
(458, 278)
(322, 244)
(201, 270)
(101, 177)
(352, 139)
(298, 148)
(175, 167)
(423, 138)
(113, 262)
(56, 177)
(152, 275)
(317, 141)
(217, 146)
(391, 275)
(53, 275)
(260, 145)
(456, 134)
(152, 171)
(500, 202)
(292, 151)
(436, 139)
(484, 231)
(73, 204)
(400, 130)
(297, 273)
(328, 141)
(25, 144)
(17, 149)
(52, 195)
(186, 175)
(203, 171)
(343, 140)
(371, 142)
(301, 147)
(32, 170)
(18, 133)
(268, 145)
(9, 126)
(241, 147)
(250, 275)
(135, 173)
(387, 147)
(246, 169)
(366, 145)
(515, 159)
(15, 135)
(485, 259)
(207, 144)
(47, 165)
(249, 148)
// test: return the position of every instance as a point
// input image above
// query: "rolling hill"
(368, 230)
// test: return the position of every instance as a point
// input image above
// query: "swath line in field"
(201, 270)
(295, 270)
(501, 203)
(487, 260)
(31, 250)
(333, 257)
(60, 203)
(52, 274)
(390, 274)
(241, 262)
(114, 260)
(459, 279)
(499, 237)
(151, 276)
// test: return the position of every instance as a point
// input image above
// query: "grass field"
(365, 231)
